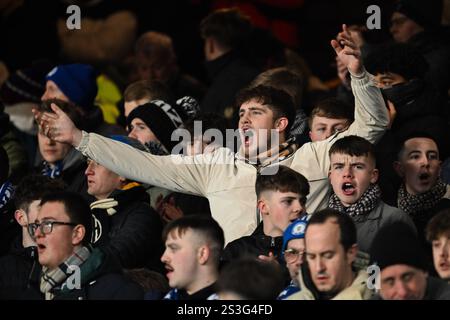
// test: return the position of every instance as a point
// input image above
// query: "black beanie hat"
(26, 85)
(427, 14)
(397, 244)
(161, 118)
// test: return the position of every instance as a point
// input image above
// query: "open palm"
(58, 126)
(347, 50)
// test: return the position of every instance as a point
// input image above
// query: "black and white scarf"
(364, 205)
(51, 279)
(413, 204)
(6, 193)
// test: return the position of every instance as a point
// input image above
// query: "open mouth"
(348, 189)
(41, 247)
(248, 134)
(424, 177)
(169, 269)
(444, 265)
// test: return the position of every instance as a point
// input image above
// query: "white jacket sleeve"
(174, 172)
(371, 118)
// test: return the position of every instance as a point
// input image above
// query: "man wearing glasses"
(293, 252)
(71, 268)
(15, 266)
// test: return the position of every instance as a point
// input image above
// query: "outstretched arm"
(174, 172)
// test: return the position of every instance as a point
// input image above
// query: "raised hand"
(348, 51)
(58, 126)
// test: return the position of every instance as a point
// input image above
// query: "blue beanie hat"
(129, 141)
(296, 230)
(77, 81)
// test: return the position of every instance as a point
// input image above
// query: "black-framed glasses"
(46, 226)
(291, 255)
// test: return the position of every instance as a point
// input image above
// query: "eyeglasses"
(46, 227)
(291, 255)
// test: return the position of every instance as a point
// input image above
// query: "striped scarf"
(364, 205)
(50, 279)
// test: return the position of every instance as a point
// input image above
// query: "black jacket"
(15, 269)
(133, 233)
(228, 75)
(252, 246)
(9, 228)
(435, 47)
(103, 283)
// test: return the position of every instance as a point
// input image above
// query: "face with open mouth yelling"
(419, 165)
(255, 122)
(350, 176)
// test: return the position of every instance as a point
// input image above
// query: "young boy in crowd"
(438, 234)
(329, 117)
(281, 200)
(15, 266)
(353, 176)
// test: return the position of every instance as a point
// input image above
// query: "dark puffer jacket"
(15, 268)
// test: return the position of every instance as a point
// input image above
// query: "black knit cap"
(161, 118)
(428, 14)
(27, 84)
(397, 244)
